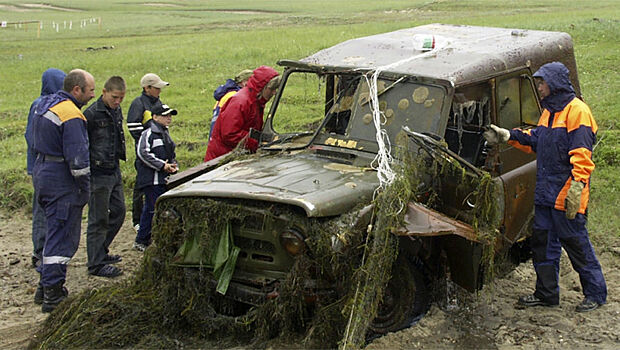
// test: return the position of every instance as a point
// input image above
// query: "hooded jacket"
(51, 81)
(59, 131)
(563, 140)
(221, 95)
(243, 111)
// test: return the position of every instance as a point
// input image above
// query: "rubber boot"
(52, 296)
(38, 295)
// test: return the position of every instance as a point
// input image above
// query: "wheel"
(405, 299)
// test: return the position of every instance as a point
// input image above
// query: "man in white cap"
(138, 119)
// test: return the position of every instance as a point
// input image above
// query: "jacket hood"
(51, 81)
(262, 75)
(556, 75)
(222, 90)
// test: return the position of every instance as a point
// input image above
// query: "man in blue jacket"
(51, 82)
(563, 141)
(61, 179)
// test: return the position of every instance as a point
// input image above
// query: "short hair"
(76, 77)
(273, 83)
(115, 83)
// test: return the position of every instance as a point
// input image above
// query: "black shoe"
(532, 300)
(108, 271)
(587, 305)
(38, 295)
(52, 296)
(112, 259)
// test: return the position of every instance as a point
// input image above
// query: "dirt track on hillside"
(489, 321)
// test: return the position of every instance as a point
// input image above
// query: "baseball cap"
(244, 75)
(163, 110)
(152, 79)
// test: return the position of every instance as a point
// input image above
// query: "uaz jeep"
(245, 222)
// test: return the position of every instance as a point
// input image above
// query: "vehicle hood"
(318, 185)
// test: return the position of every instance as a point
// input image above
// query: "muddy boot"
(52, 296)
(38, 295)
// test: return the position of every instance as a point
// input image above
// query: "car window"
(530, 110)
(517, 102)
(302, 104)
(470, 112)
(509, 103)
(350, 122)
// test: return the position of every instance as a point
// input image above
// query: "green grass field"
(196, 45)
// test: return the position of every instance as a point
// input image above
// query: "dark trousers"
(137, 205)
(137, 201)
(106, 213)
(63, 204)
(151, 193)
(39, 226)
(552, 231)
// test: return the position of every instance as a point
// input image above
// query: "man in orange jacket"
(563, 143)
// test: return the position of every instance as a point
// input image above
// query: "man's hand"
(495, 135)
(573, 199)
(170, 167)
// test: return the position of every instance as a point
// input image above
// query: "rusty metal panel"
(519, 198)
(424, 222)
(467, 54)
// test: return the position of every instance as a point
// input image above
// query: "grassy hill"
(196, 45)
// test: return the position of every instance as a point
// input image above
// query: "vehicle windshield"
(335, 110)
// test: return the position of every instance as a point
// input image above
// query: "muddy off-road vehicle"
(438, 87)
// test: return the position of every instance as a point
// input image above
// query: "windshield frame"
(292, 67)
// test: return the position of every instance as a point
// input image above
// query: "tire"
(406, 298)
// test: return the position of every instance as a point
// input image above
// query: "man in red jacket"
(242, 112)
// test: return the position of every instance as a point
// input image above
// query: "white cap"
(152, 79)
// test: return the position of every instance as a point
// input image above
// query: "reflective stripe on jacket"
(60, 131)
(155, 148)
(139, 114)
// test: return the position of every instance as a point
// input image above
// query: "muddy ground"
(489, 321)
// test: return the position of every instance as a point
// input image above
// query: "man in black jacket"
(139, 119)
(106, 206)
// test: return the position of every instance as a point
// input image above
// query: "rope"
(383, 160)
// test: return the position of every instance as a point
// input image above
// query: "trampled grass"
(196, 45)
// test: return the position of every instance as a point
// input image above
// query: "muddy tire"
(405, 299)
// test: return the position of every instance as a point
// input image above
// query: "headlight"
(292, 241)
(170, 216)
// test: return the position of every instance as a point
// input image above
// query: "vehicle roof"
(463, 53)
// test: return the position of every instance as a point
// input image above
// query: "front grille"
(255, 227)
(249, 244)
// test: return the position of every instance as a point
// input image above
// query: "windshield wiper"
(431, 144)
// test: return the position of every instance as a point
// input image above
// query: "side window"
(470, 112)
(516, 107)
(517, 104)
(530, 111)
(508, 103)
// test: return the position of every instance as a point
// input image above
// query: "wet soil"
(486, 321)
